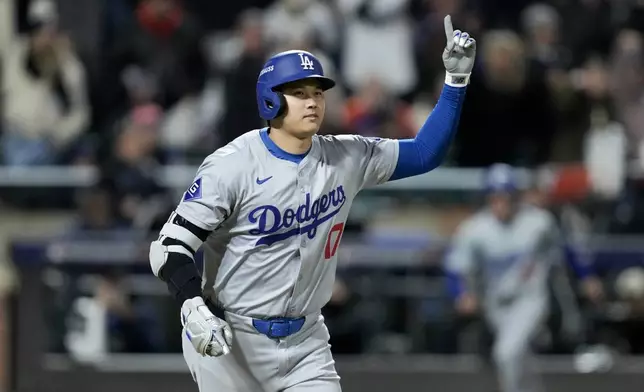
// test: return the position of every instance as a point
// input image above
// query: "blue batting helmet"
(283, 68)
(500, 177)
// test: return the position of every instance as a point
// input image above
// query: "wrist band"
(457, 80)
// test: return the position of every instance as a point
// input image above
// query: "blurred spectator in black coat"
(132, 324)
(97, 216)
(240, 79)
(349, 320)
(164, 43)
(133, 171)
(508, 115)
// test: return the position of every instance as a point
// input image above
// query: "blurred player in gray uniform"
(270, 209)
(507, 251)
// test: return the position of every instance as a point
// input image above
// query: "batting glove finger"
(228, 335)
(458, 56)
(463, 39)
(219, 344)
(449, 33)
(216, 347)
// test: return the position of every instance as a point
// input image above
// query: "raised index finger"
(449, 29)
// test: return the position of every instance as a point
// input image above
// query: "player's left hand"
(593, 289)
(459, 55)
(467, 304)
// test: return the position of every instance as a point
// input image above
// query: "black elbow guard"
(182, 277)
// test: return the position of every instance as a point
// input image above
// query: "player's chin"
(310, 126)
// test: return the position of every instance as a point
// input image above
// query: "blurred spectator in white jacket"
(7, 24)
(378, 45)
(289, 20)
(44, 93)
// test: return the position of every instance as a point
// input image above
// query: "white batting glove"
(458, 56)
(209, 335)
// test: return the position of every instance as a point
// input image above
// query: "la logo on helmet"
(306, 61)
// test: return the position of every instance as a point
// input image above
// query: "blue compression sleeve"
(428, 149)
(581, 268)
(455, 285)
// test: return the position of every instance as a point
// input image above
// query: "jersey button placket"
(301, 190)
(303, 185)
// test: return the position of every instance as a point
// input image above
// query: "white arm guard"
(159, 254)
(177, 236)
(172, 257)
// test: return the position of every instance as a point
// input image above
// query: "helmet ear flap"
(283, 106)
(271, 104)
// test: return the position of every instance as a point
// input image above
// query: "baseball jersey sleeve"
(461, 258)
(460, 261)
(375, 158)
(210, 199)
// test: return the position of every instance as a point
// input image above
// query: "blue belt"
(279, 327)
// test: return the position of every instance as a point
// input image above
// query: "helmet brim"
(325, 83)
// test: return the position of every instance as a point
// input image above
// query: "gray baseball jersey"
(512, 258)
(277, 224)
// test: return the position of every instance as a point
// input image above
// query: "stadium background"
(107, 108)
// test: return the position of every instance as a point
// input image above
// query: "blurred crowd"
(129, 86)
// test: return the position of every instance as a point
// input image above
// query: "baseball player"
(511, 247)
(269, 209)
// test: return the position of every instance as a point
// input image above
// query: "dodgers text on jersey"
(308, 216)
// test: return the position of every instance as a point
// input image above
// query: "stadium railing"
(178, 176)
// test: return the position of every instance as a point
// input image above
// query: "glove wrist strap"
(457, 80)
